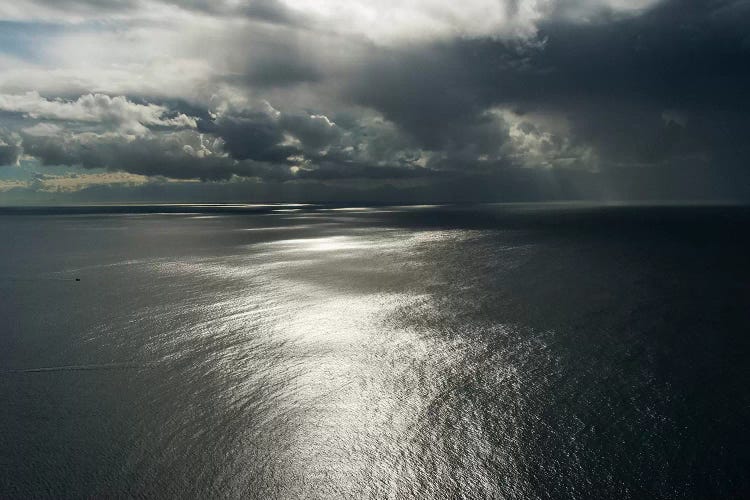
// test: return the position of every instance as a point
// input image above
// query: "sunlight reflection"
(354, 379)
(325, 244)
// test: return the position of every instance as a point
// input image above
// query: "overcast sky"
(363, 100)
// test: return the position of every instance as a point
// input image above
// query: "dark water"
(428, 352)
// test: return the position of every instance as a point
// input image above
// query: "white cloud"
(161, 48)
(539, 141)
(383, 21)
(394, 20)
(96, 108)
(391, 21)
(43, 129)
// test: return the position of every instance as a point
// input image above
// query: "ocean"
(311, 351)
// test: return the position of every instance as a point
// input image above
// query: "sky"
(387, 101)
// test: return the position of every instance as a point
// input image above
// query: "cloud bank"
(395, 101)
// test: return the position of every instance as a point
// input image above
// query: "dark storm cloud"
(271, 11)
(170, 155)
(253, 136)
(666, 87)
(314, 132)
(427, 92)
(246, 146)
(280, 69)
(643, 104)
(324, 147)
(269, 56)
(617, 79)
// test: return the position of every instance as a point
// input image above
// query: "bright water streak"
(353, 354)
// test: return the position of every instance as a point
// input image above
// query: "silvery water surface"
(521, 351)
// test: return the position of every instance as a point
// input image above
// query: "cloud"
(10, 148)
(96, 108)
(180, 155)
(254, 136)
(69, 10)
(255, 144)
(387, 20)
(587, 98)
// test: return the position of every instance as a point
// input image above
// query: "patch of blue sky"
(24, 40)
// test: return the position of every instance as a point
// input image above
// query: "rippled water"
(399, 352)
